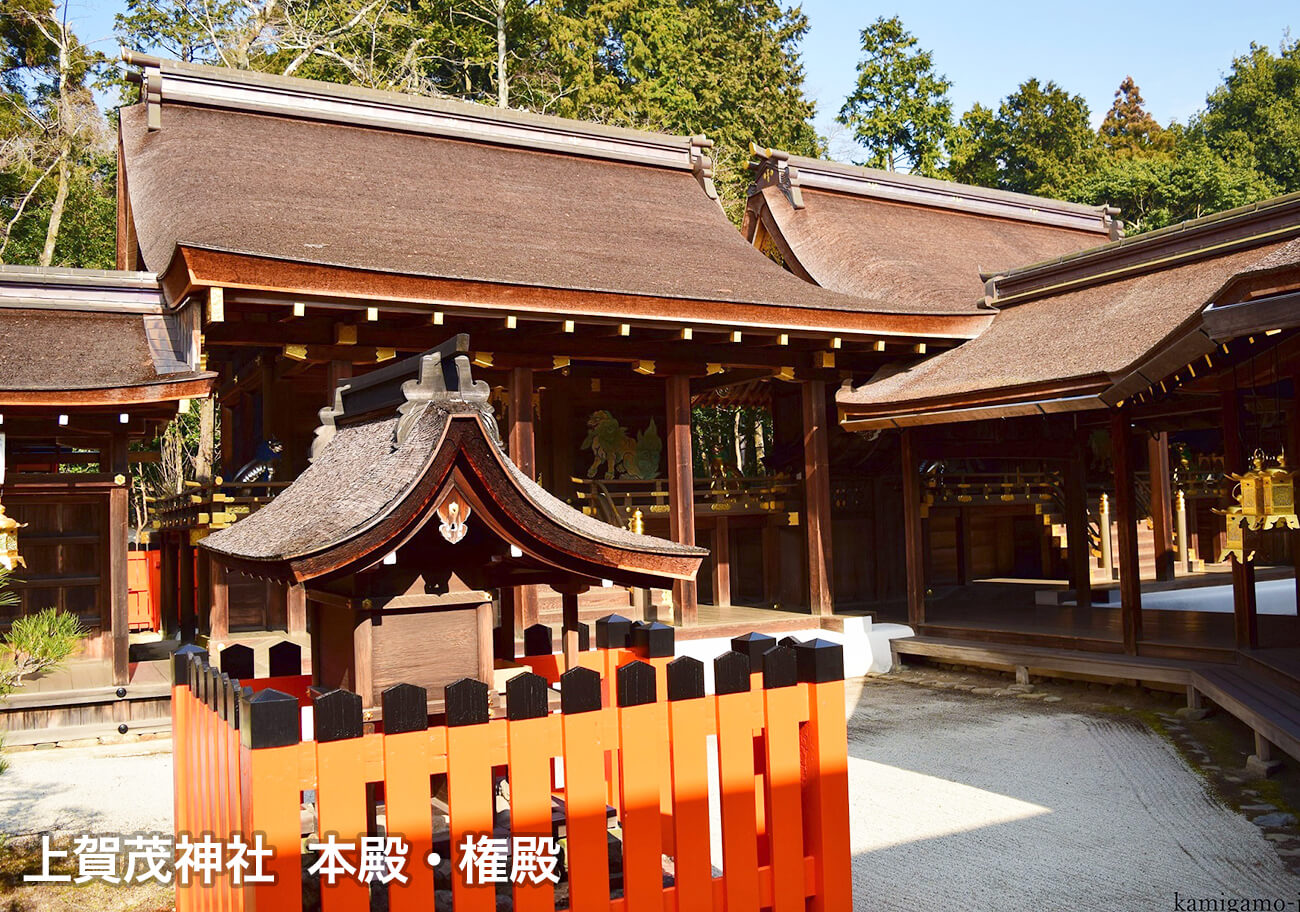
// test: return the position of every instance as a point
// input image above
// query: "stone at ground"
(1278, 819)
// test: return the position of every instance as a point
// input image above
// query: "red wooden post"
(691, 718)
(407, 764)
(784, 708)
(119, 593)
(681, 489)
(183, 744)
(534, 737)
(218, 599)
(584, 789)
(469, 785)
(817, 497)
(820, 667)
(341, 788)
(641, 739)
(269, 791)
(737, 711)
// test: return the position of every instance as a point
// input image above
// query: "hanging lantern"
(1265, 501)
(9, 556)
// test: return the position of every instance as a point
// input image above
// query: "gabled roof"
(400, 444)
(91, 337)
(1129, 315)
(294, 171)
(909, 239)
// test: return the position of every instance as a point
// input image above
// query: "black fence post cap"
(819, 661)
(286, 659)
(685, 678)
(269, 718)
(181, 662)
(657, 640)
(237, 661)
(406, 709)
(579, 691)
(731, 673)
(613, 631)
(466, 702)
(752, 645)
(636, 684)
(527, 697)
(779, 668)
(538, 641)
(336, 715)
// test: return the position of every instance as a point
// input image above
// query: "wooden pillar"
(203, 592)
(771, 543)
(218, 600)
(817, 497)
(523, 453)
(722, 562)
(569, 610)
(119, 520)
(1292, 461)
(118, 590)
(1126, 561)
(912, 543)
(185, 583)
(170, 596)
(1245, 615)
(681, 489)
(504, 639)
(1162, 514)
(296, 608)
(964, 543)
(1076, 528)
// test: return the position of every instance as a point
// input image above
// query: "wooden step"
(1254, 699)
(1279, 666)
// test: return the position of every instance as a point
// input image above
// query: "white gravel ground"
(978, 803)
(958, 802)
(123, 788)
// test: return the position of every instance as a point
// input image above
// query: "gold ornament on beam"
(1265, 502)
(9, 556)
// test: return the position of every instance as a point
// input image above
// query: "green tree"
(1256, 113)
(726, 68)
(1039, 141)
(899, 110)
(1128, 129)
(55, 146)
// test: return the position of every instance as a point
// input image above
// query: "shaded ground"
(999, 800)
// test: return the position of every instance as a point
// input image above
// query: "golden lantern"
(637, 522)
(1265, 501)
(9, 556)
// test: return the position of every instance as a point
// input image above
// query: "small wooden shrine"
(407, 520)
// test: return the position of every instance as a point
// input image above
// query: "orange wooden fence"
(622, 775)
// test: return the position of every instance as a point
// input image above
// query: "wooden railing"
(622, 776)
(213, 505)
(616, 500)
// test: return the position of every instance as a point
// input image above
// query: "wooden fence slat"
(826, 765)
(735, 704)
(269, 791)
(641, 735)
(587, 834)
(532, 744)
(470, 797)
(407, 792)
(341, 805)
(691, 718)
(784, 707)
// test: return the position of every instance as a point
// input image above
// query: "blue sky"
(1175, 51)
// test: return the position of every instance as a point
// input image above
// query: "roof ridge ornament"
(774, 164)
(326, 430)
(702, 165)
(431, 387)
